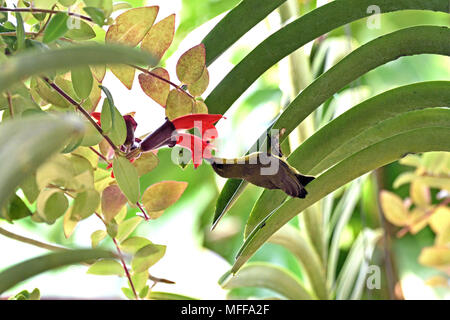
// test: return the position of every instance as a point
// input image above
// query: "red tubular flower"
(204, 122)
(96, 116)
(199, 148)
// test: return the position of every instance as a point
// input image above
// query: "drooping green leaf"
(51, 204)
(264, 275)
(82, 81)
(56, 28)
(127, 178)
(85, 204)
(20, 32)
(147, 256)
(15, 209)
(39, 137)
(29, 268)
(106, 267)
(83, 31)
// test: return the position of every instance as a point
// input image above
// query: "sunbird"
(268, 170)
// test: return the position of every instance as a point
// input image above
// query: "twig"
(163, 79)
(124, 265)
(31, 241)
(45, 24)
(428, 214)
(10, 105)
(83, 111)
(45, 11)
(146, 218)
(100, 155)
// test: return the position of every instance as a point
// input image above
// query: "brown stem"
(163, 79)
(45, 11)
(124, 265)
(83, 111)
(10, 105)
(45, 24)
(146, 218)
(428, 214)
(100, 155)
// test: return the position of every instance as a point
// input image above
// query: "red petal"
(189, 121)
(199, 148)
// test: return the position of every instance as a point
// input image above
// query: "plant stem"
(10, 105)
(31, 241)
(83, 111)
(146, 218)
(100, 155)
(45, 11)
(163, 79)
(124, 265)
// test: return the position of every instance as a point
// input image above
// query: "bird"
(265, 170)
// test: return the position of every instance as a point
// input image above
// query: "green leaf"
(20, 32)
(97, 15)
(85, 204)
(379, 154)
(51, 204)
(106, 267)
(156, 295)
(296, 243)
(32, 62)
(29, 268)
(307, 28)
(56, 28)
(37, 137)
(82, 81)
(127, 178)
(118, 131)
(265, 275)
(83, 31)
(191, 64)
(147, 256)
(127, 227)
(16, 209)
(235, 24)
(133, 244)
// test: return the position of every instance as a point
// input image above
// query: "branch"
(45, 11)
(31, 241)
(83, 111)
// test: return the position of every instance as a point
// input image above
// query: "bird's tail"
(304, 180)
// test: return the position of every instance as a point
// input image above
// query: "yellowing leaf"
(131, 26)
(155, 88)
(178, 104)
(124, 73)
(97, 236)
(200, 107)
(147, 256)
(162, 195)
(199, 86)
(420, 194)
(146, 163)
(99, 72)
(191, 64)
(438, 257)
(160, 37)
(127, 227)
(133, 244)
(440, 219)
(418, 220)
(106, 267)
(127, 178)
(393, 208)
(438, 281)
(69, 225)
(113, 200)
